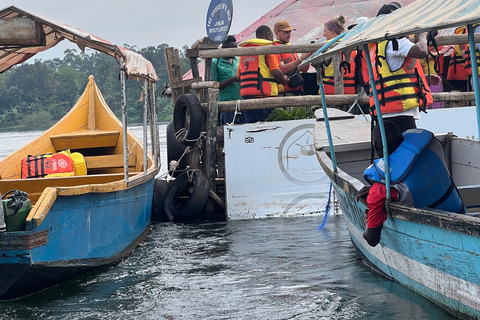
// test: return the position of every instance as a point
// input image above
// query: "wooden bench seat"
(85, 139)
(110, 161)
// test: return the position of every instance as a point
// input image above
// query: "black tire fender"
(159, 190)
(186, 197)
(175, 150)
(187, 116)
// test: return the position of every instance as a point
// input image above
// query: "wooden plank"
(316, 100)
(110, 161)
(41, 208)
(175, 75)
(38, 185)
(91, 105)
(85, 139)
(210, 161)
(337, 74)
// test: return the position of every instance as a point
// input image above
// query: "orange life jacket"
(456, 66)
(286, 58)
(468, 60)
(51, 165)
(256, 79)
(348, 70)
(400, 90)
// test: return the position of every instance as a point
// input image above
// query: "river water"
(279, 268)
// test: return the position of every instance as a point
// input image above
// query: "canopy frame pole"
(154, 124)
(379, 119)
(145, 119)
(327, 123)
(324, 103)
(124, 119)
(476, 86)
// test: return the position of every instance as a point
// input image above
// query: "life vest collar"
(402, 159)
(256, 42)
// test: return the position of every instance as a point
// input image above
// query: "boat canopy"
(55, 31)
(419, 16)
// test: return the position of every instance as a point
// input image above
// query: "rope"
(237, 111)
(327, 209)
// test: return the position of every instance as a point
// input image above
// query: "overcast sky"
(140, 22)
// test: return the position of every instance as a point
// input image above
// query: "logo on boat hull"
(296, 156)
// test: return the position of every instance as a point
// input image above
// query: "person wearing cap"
(400, 82)
(288, 62)
(259, 75)
(332, 29)
(224, 70)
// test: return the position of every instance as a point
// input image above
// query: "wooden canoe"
(77, 223)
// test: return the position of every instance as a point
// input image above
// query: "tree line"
(36, 95)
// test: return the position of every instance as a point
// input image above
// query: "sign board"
(271, 170)
(219, 19)
(21, 31)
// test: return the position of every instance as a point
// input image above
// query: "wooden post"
(338, 75)
(194, 66)
(91, 104)
(175, 74)
(210, 159)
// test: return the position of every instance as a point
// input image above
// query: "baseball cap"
(282, 25)
(388, 8)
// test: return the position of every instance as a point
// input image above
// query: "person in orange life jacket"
(457, 75)
(332, 29)
(259, 75)
(433, 64)
(362, 79)
(476, 29)
(224, 70)
(418, 173)
(400, 105)
(288, 61)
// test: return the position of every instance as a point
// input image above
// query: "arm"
(420, 48)
(279, 76)
(292, 65)
(228, 82)
(273, 64)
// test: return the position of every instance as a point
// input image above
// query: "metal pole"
(327, 124)
(145, 118)
(380, 120)
(324, 104)
(476, 88)
(154, 125)
(124, 121)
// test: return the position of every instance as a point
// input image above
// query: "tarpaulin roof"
(308, 17)
(55, 31)
(419, 16)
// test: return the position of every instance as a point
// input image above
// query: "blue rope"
(327, 209)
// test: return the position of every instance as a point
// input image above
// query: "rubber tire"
(175, 150)
(188, 114)
(159, 190)
(182, 209)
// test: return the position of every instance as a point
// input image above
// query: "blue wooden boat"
(433, 252)
(80, 222)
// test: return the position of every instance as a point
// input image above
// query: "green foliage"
(35, 95)
(291, 113)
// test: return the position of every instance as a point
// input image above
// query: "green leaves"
(36, 94)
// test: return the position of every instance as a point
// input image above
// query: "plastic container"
(15, 221)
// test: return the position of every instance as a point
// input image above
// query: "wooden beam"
(315, 100)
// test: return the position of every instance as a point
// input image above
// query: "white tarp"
(271, 170)
(55, 31)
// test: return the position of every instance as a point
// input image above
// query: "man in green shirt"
(224, 70)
